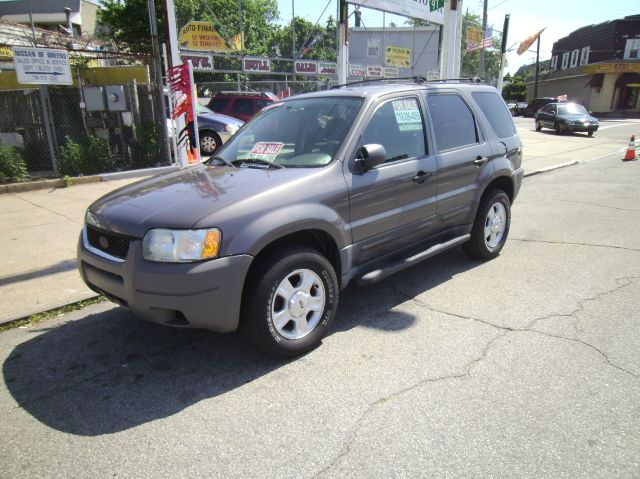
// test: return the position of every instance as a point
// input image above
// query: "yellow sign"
(6, 51)
(474, 35)
(398, 57)
(202, 36)
(611, 68)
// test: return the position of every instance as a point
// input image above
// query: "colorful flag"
(562, 98)
(527, 42)
(486, 42)
(306, 49)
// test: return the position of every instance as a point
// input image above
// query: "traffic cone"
(631, 150)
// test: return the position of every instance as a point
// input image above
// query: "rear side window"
(453, 122)
(496, 112)
(260, 104)
(219, 104)
(243, 106)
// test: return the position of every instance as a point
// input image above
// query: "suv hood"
(180, 199)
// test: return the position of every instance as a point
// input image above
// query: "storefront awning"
(595, 81)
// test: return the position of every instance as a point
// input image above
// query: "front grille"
(112, 244)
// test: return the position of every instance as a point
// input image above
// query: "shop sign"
(374, 71)
(356, 71)
(304, 67)
(200, 62)
(251, 64)
(397, 57)
(202, 36)
(327, 68)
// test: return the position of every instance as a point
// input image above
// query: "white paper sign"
(42, 66)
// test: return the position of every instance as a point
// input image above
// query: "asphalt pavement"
(524, 366)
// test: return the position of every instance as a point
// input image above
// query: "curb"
(83, 180)
(551, 168)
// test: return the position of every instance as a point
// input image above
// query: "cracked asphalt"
(524, 366)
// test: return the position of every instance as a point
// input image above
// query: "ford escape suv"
(316, 192)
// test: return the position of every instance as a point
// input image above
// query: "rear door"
(464, 156)
(393, 205)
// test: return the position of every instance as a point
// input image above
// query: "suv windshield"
(300, 133)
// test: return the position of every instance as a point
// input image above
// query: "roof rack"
(416, 79)
(247, 93)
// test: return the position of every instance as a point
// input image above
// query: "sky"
(560, 17)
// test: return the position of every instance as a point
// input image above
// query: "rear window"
(496, 112)
(219, 104)
(453, 122)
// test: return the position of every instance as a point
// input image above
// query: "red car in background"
(239, 104)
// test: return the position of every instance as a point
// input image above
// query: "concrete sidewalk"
(39, 229)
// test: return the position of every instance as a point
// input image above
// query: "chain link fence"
(111, 119)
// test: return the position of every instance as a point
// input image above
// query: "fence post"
(46, 119)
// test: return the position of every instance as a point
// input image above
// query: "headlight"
(181, 246)
(231, 128)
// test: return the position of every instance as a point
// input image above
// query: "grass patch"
(52, 313)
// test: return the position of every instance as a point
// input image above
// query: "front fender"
(267, 228)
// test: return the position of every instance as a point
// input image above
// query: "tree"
(515, 90)
(127, 21)
(312, 41)
(471, 60)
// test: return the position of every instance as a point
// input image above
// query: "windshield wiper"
(255, 161)
(219, 158)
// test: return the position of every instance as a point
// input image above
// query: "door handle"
(421, 176)
(480, 160)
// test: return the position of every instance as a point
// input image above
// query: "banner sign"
(304, 67)
(254, 64)
(356, 71)
(374, 71)
(409, 8)
(42, 66)
(199, 61)
(202, 36)
(391, 72)
(611, 68)
(327, 68)
(397, 57)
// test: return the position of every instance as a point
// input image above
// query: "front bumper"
(199, 295)
(580, 127)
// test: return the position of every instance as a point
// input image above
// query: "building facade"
(597, 66)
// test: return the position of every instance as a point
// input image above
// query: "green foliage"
(67, 181)
(91, 156)
(70, 161)
(324, 47)
(12, 166)
(515, 90)
(471, 60)
(127, 21)
(96, 156)
(149, 148)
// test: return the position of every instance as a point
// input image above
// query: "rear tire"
(289, 302)
(490, 227)
(590, 133)
(556, 126)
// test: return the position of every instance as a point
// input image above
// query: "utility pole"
(451, 40)
(503, 51)
(343, 52)
(293, 29)
(484, 28)
(241, 26)
(535, 85)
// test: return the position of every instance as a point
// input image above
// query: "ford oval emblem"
(104, 242)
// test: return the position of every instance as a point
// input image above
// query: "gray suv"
(316, 192)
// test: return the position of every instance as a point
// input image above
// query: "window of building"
(453, 122)
(496, 112)
(554, 63)
(565, 60)
(575, 54)
(631, 49)
(397, 125)
(584, 56)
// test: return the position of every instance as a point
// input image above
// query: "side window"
(260, 104)
(496, 112)
(453, 122)
(397, 125)
(243, 106)
(219, 104)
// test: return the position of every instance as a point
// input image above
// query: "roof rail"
(415, 79)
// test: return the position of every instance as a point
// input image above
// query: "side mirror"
(370, 156)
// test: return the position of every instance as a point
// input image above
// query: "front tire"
(289, 302)
(209, 142)
(590, 133)
(490, 227)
